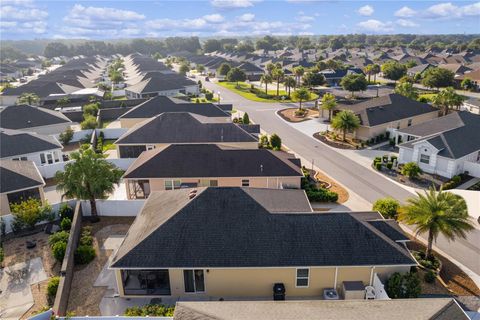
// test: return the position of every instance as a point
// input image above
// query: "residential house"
(419, 69)
(396, 309)
(161, 84)
(33, 119)
(473, 75)
(471, 105)
(20, 180)
(236, 243)
(182, 128)
(388, 113)
(333, 77)
(446, 146)
(21, 145)
(155, 106)
(201, 165)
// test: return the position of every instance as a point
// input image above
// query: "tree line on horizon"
(69, 48)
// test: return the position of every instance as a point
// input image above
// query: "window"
(150, 147)
(49, 158)
(214, 183)
(302, 277)
(398, 125)
(172, 184)
(245, 183)
(56, 157)
(42, 158)
(409, 122)
(424, 158)
(194, 280)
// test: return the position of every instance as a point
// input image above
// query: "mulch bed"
(423, 181)
(335, 187)
(457, 281)
(335, 144)
(289, 115)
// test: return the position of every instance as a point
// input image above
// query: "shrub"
(90, 109)
(66, 224)
(158, 310)
(411, 170)
(209, 95)
(377, 159)
(246, 118)
(392, 142)
(300, 112)
(86, 240)
(390, 165)
(393, 158)
(58, 250)
(321, 195)
(52, 287)
(457, 179)
(385, 158)
(2, 255)
(66, 136)
(28, 213)
(388, 207)
(403, 286)
(61, 236)
(65, 211)
(430, 276)
(432, 263)
(275, 142)
(378, 166)
(84, 254)
(89, 122)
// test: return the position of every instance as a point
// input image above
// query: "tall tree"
(447, 99)
(406, 89)
(224, 68)
(375, 70)
(345, 121)
(88, 177)
(290, 83)
(301, 95)
(298, 71)
(278, 75)
(28, 98)
(437, 213)
(353, 83)
(266, 79)
(329, 102)
(236, 75)
(393, 70)
(368, 71)
(438, 78)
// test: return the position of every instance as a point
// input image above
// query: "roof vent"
(261, 168)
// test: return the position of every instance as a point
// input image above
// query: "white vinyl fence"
(380, 293)
(46, 316)
(48, 171)
(473, 168)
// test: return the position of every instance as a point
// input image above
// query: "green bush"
(61, 236)
(65, 211)
(84, 254)
(390, 165)
(52, 286)
(66, 136)
(377, 159)
(2, 255)
(385, 158)
(90, 109)
(275, 142)
(158, 310)
(66, 224)
(433, 263)
(263, 141)
(388, 207)
(403, 286)
(393, 158)
(209, 95)
(430, 276)
(86, 240)
(321, 195)
(378, 166)
(58, 250)
(411, 170)
(457, 179)
(28, 213)
(89, 122)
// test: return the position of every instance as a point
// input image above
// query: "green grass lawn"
(428, 96)
(203, 100)
(244, 90)
(105, 123)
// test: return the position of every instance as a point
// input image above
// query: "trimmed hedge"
(52, 286)
(158, 310)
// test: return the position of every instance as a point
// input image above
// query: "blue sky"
(30, 19)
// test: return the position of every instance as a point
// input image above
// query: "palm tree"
(301, 95)
(28, 98)
(266, 79)
(88, 177)
(329, 103)
(278, 74)
(298, 71)
(446, 99)
(345, 121)
(437, 213)
(289, 83)
(368, 71)
(375, 70)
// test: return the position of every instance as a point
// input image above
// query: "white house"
(446, 146)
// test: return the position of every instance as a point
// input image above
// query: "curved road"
(364, 182)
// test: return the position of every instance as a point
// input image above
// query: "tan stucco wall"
(253, 282)
(255, 182)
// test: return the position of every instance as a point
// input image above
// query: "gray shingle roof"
(18, 175)
(161, 82)
(25, 116)
(160, 104)
(228, 227)
(389, 108)
(14, 143)
(182, 127)
(455, 135)
(209, 160)
(397, 309)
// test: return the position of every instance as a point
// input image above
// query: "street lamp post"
(218, 92)
(378, 86)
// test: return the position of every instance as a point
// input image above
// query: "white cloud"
(375, 26)
(247, 17)
(102, 13)
(22, 17)
(303, 18)
(214, 18)
(405, 12)
(406, 23)
(448, 10)
(366, 10)
(225, 4)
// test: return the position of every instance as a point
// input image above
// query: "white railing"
(122, 163)
(48, 170)
(473, 168)
(112, 133)
(115, 208)
(380, 293)
(47, 314)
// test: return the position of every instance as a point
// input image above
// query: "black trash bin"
(278, 291)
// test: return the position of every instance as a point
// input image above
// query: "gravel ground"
(84, 297)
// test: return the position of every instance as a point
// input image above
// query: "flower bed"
(332, 140)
